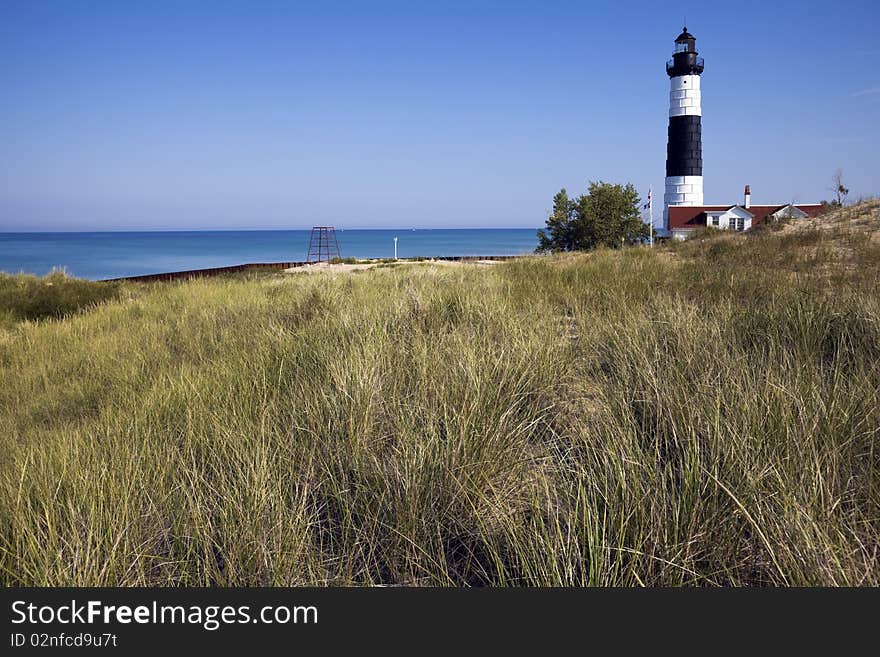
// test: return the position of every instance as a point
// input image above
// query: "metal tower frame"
(322, 244)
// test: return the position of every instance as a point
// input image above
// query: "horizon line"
(253, 230)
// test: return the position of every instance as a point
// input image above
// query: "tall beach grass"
(703, 414)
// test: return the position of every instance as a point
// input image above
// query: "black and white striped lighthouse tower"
(684, 148)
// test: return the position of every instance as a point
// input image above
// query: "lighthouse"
(684, 147)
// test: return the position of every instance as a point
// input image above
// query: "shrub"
(52, 296)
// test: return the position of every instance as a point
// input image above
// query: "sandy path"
(326, 267)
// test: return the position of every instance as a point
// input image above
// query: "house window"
(715, 220)
(740, 223)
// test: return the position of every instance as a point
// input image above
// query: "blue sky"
(152, 115)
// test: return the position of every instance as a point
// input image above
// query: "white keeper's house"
(683, 207)
(683, 220)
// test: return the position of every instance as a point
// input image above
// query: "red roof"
(693, 216)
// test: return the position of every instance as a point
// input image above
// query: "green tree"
(559, 233)
(607, 215)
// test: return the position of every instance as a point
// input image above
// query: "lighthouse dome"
(685, 36)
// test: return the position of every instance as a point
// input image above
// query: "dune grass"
(703, 414)
(53, 296)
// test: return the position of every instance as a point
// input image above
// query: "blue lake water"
(114, 254)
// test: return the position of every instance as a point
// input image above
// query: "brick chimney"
(748, 198)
